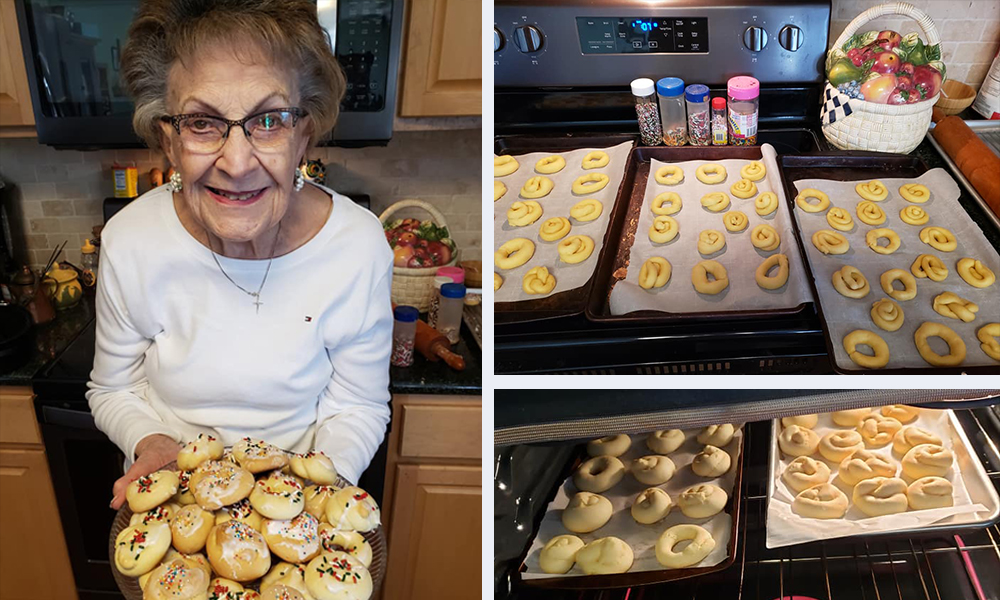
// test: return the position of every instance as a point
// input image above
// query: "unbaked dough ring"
(595, 160)
(711, 241)
(586, 210)
(975, 273)
(778, 279)
(609, 445)
(823, 501)
(909, 291)
(754, 171)
(766, 203)
(589, 184)
(989, 338)
(887, 314)
(514, 253)
(586, 512)
(878, 430)
(497, 281)
(554, 229)
(663, 229)
(802, 200)
(655, 272)
(805, 472)
(711, 173)
(735, 221)
(838, 445)
(521, 214)
(717, 435)
(765, 237)
(671, 199)
(606, 556)
(504, 165)
(653, 469)
(715, 201)
(702, 500)
(665, 441)
(599, 474)
(873, 190)
(927, 460)
(795, 440)
(711, 462)
(537, 187)
(499, 189)
(865, 464)
(744, 188)
(901, 412)
(915, 192)
(870, 213)
(938, 238)
(559, 554)
(807, 421)
(576, 249)
(880, 496)
(868, 338)
(928, 266)
(914, 215)
(830, 242)
(850, 418)
(651, 505)
(538, 280)
(550, 164)
(911, 436)
(930, 492)
(956, 347)
(700, 273)
(850, 282)
(669, 175)
(840, 219)
(702, 544)
(873, 236)
(953, 306)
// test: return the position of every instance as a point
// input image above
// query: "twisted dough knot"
(538, 281)
(504, 165)
(975, 273)
(499, 189)
(554, 229)
(915, 192)
(830, 242)
(754, 171)
(744, 188)
(715, 201)
(586, 210)
(735, 221)
(952, 306)
(870, 213)
(595, 160)
(765, 237)
(710, 241)
(987, 336)
(872, 190)
(914, 215)
(839, 219)
(939, 238)
(655, 272)
(930, 267)
(523, 213)
(536, 187)
(850, 282)
(663, 229)
(575, 249)
(887, 314)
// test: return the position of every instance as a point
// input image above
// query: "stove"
(563, 67)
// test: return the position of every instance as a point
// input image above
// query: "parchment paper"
(844, 315)
(556, 204)
(643, 538)
(785, 528)
(739, 256)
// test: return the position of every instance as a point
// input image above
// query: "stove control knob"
(755, 38)
(790, 38)
(498, 41)
(528, 39)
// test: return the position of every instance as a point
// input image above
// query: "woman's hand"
(152, 452)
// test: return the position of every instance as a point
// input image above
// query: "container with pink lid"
(744, 96)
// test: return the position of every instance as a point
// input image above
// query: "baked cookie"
(559, 554)
(240, 511)
(216, 484)
(176, 580)
(150, 491)
(338, 576)
(237, 551)
(296, 540)
(350, 542)
(352, 509)
(258, 456)
(316, 498)
(315, 467)
(139, 548)
(278, 496)
(190, 528)
(204, 447)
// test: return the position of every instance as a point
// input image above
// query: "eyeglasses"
(268, 131)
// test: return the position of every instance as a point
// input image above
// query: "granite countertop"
(51, 339)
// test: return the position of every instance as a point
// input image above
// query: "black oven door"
(84, 465)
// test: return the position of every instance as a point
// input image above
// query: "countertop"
(51, 339)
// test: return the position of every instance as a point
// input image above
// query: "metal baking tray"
(850, 166)
(614, 260)
(621, 580)
(989, 132)
(570, 302)
(977, 482)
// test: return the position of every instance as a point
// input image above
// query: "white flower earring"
(299, 180)
(176, 184)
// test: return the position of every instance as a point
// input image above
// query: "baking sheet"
(641, 537)
(844, 315)
(556, 204)
(785, 528)
(739, 256)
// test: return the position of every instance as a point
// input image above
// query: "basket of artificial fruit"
(881, 86)
(419, 248)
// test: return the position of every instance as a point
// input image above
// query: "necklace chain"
(254, 295)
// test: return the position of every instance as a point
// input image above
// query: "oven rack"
(946, 565)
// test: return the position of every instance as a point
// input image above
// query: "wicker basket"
(415, 286)
(883, 127)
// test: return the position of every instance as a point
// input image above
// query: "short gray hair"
(287, 31)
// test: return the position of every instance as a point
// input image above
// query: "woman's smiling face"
(237, 193)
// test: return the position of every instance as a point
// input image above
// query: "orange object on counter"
(435, 346)
(155, 177)
(974, 158)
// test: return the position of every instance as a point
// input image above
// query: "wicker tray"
(129, 586)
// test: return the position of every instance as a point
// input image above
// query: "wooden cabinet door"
(34, 562)
(435, 541)
(442, 68)
(15, 99)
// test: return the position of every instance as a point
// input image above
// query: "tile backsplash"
(62, 191)
(969, 31)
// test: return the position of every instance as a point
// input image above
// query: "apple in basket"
(888, 39)
(927, 80)
(418, 244)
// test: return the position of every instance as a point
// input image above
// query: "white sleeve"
(354, 407)
(118, 381)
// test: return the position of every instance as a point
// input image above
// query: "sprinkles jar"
(699, 124)
(672, 113)
(647, 111)
(744, 97)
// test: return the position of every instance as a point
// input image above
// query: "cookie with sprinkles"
(240, 511)
(217, 484)
(223, 589)
(352, 509)
(237, 551)
(204, 447)
(316, 497)
(350, 542)
(278, 497)
(258, 456)
(163, 513)
(295, 540)
(184, 495)
(150, 491)
(281, 592)
(139, 548)
(315, 467)
(176, 580)
(286, 574)
(190, 527)
(338, 576)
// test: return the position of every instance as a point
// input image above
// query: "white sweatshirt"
(181, 350)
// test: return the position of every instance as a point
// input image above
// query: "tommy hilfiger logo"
(308, 319)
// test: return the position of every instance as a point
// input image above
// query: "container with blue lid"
(699, 115)
(670, 91)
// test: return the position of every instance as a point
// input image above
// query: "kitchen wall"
(62, 191)
(969, 31)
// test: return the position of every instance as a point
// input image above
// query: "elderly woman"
(238, 300)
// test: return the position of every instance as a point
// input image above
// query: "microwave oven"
(72, 51)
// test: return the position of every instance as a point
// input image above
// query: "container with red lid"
(720, 135)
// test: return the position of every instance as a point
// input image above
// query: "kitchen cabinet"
(29, 518)
(442, 71)
(433, 498)
(16, 116)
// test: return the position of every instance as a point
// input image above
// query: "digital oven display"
(646, 35)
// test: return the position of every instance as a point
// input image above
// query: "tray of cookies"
(642, 509)
(905, 278)
(891, 470)
(248, 522)
(554, 197)
(705, 235)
